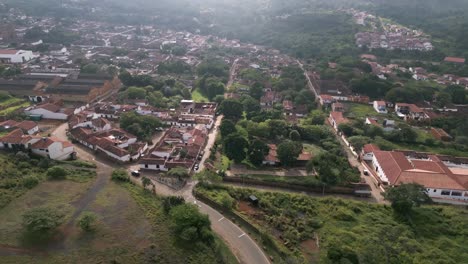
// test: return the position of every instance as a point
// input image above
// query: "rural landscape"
(203, 131)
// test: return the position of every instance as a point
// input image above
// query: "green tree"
(257, 151)
(42, 220)
(136, 93)
(170, 202)
(227, 127)
(346, 129)
(316, 117)
(146, 182)
(57, 173)
(87, 221)
(256, 91)
(294, 135)
(405, 196)
(190, 225)
(235, 146)
(288, 151)
(231, 109)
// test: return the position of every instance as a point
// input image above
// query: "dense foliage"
(354, 232)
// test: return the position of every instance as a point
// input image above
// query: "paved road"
(309, 82)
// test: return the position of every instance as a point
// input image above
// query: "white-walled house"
(380, 107)
(51, 148)
(441, 183)
(16, 56)
(49, 111)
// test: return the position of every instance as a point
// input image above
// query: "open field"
(332, 230)
(130, 228)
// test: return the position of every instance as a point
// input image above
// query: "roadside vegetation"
(331, 230)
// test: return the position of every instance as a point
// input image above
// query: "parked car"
(136, 173)
(365, 172)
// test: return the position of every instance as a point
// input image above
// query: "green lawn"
(352, 231)
(10, 101)
(361, 110)
(313, 149)
(198, 97)
(12, 109)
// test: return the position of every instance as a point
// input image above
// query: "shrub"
(30, 182)
(57, 173)
(44, 163)
(120, 175)
(42, 219)
(227, 201)
(170, 202)
(86, 221)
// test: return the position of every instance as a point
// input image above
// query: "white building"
(441, 182)
(16, 56)
(49, 111)
(380, 107)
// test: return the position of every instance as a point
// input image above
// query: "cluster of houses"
(445, 178)
(22, 136)
(179, 147)
(272, 158)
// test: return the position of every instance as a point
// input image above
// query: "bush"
(86, 221)
(30, 182)
(57, 173)
(227, 201)
(170, 202)
(120, 175)
(42, 220)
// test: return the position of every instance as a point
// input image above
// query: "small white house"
(53, 148)
(380, 107)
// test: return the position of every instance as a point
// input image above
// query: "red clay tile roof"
(50, 107)
(8, 52)
(392, 163)
(454, 59)
(14, 137)
(338, 117)
(27, 125)
(370, 148)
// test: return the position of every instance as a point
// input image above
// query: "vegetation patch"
(352, 231)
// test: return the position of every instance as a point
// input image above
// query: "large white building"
(16, 56)
(443, 182)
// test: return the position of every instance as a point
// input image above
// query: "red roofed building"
(440, 134)
(454, 60)
(368, 150)
(51, 148)
(394, 168)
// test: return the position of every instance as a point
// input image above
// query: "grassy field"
(352, 231)
(10, 101)
(313, 149)
(198, 97)
(12, 109)
(361, 110)
(130, 228)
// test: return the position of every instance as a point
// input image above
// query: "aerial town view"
(253, 132)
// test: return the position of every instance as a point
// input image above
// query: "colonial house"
(114, 143)
(269, 99)
(441, 182)
(326, 99)
(179, 147)
(49, 147)
(336, 118)
(380, 107)
(410, 111)
(88, 121)
(28, 127)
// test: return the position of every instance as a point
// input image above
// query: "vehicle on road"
(365, 172)
(136, 173)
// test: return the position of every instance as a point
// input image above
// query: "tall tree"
(288, 152)
(232, 109)
(235, 146)
(405, 196)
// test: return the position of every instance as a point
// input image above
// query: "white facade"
(21, 56)
(379, 107)
(55, 151)
(46, 114)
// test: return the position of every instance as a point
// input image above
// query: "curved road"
(241, 244)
